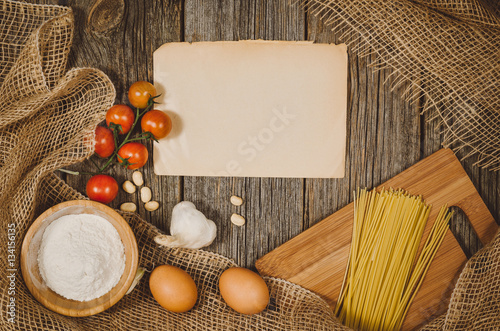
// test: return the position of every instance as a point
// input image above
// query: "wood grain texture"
(125, 53)
(273, 207)
(385, 134)
(317, 258)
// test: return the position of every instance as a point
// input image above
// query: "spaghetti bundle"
(383, 273)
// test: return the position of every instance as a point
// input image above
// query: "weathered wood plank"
(325, 196)
(125, 54)
(167, 190)
(273, 207)
(383, 132)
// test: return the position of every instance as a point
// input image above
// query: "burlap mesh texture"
(448, 50)
(47, 128)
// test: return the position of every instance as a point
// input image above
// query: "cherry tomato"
(140, 92)
(121, 114)
(156, 122)
(102, 188)
(104, 142)
(136, 153)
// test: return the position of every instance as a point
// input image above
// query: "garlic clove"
(238, 220)
(146, 194)
(137, 178)
(128, 187)
(128, 206)
(236, 201)
(151, 205)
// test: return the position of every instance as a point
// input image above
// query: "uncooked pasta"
(384, 272)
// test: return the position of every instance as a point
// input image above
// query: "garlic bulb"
(189, 228)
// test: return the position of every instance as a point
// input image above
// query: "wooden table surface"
(385, 134)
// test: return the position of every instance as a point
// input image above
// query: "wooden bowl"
(52, 300)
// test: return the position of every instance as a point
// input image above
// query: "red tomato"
(104, 142)
(102, 188)
(121, 114)
(136, 153)
(140, 92)
(156, 122)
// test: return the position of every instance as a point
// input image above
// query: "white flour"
(81, 257)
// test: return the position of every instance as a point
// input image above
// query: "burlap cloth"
(47, 120)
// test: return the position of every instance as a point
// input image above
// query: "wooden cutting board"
(316, 259)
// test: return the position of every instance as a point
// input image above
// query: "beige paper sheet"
(252, 108)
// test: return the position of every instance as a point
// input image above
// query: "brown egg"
(173, 288)
(244, 290)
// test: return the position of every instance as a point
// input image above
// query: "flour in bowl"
(81, 257)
